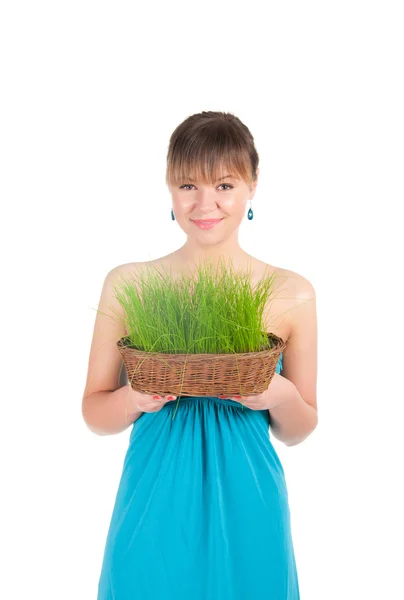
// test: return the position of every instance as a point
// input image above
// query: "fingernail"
(171, 397)
(237, 396)
(156, 397)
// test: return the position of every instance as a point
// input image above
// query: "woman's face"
(226, 199)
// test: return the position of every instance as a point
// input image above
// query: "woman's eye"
(187, 185)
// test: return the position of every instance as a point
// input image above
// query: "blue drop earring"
(249, 215)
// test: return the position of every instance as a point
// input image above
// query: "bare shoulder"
(302, 287)
(127, 269)
(289, 290)
(294, 282)
(300, 354)
(302, 297)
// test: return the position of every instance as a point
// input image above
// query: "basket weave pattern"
(228, 374)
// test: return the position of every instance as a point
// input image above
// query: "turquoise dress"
(201, 511)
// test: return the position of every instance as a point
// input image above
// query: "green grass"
(214, 310)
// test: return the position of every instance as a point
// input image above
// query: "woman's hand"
(270, 398)
(147, 402)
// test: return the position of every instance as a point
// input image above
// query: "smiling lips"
(207, 224)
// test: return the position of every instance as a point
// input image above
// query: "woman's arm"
(293, 420)
(106, 413)
(297, 415)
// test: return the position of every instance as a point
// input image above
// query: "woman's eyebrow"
(225, 177)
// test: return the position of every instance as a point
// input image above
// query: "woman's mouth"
(208, 224)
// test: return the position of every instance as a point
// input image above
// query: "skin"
(289, 315)
(203, 201)
(226, 198)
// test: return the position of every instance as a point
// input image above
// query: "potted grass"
(197, 335)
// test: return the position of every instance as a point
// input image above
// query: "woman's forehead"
(217, 177)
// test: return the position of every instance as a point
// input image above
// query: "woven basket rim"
(279, 346)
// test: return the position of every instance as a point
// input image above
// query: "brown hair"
(209, 145)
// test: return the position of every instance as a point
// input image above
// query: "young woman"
(202, 510)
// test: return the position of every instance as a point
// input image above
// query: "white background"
(91, 92)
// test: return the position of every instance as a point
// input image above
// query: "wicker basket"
(228, 374)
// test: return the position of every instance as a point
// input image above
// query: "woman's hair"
(210, 145)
